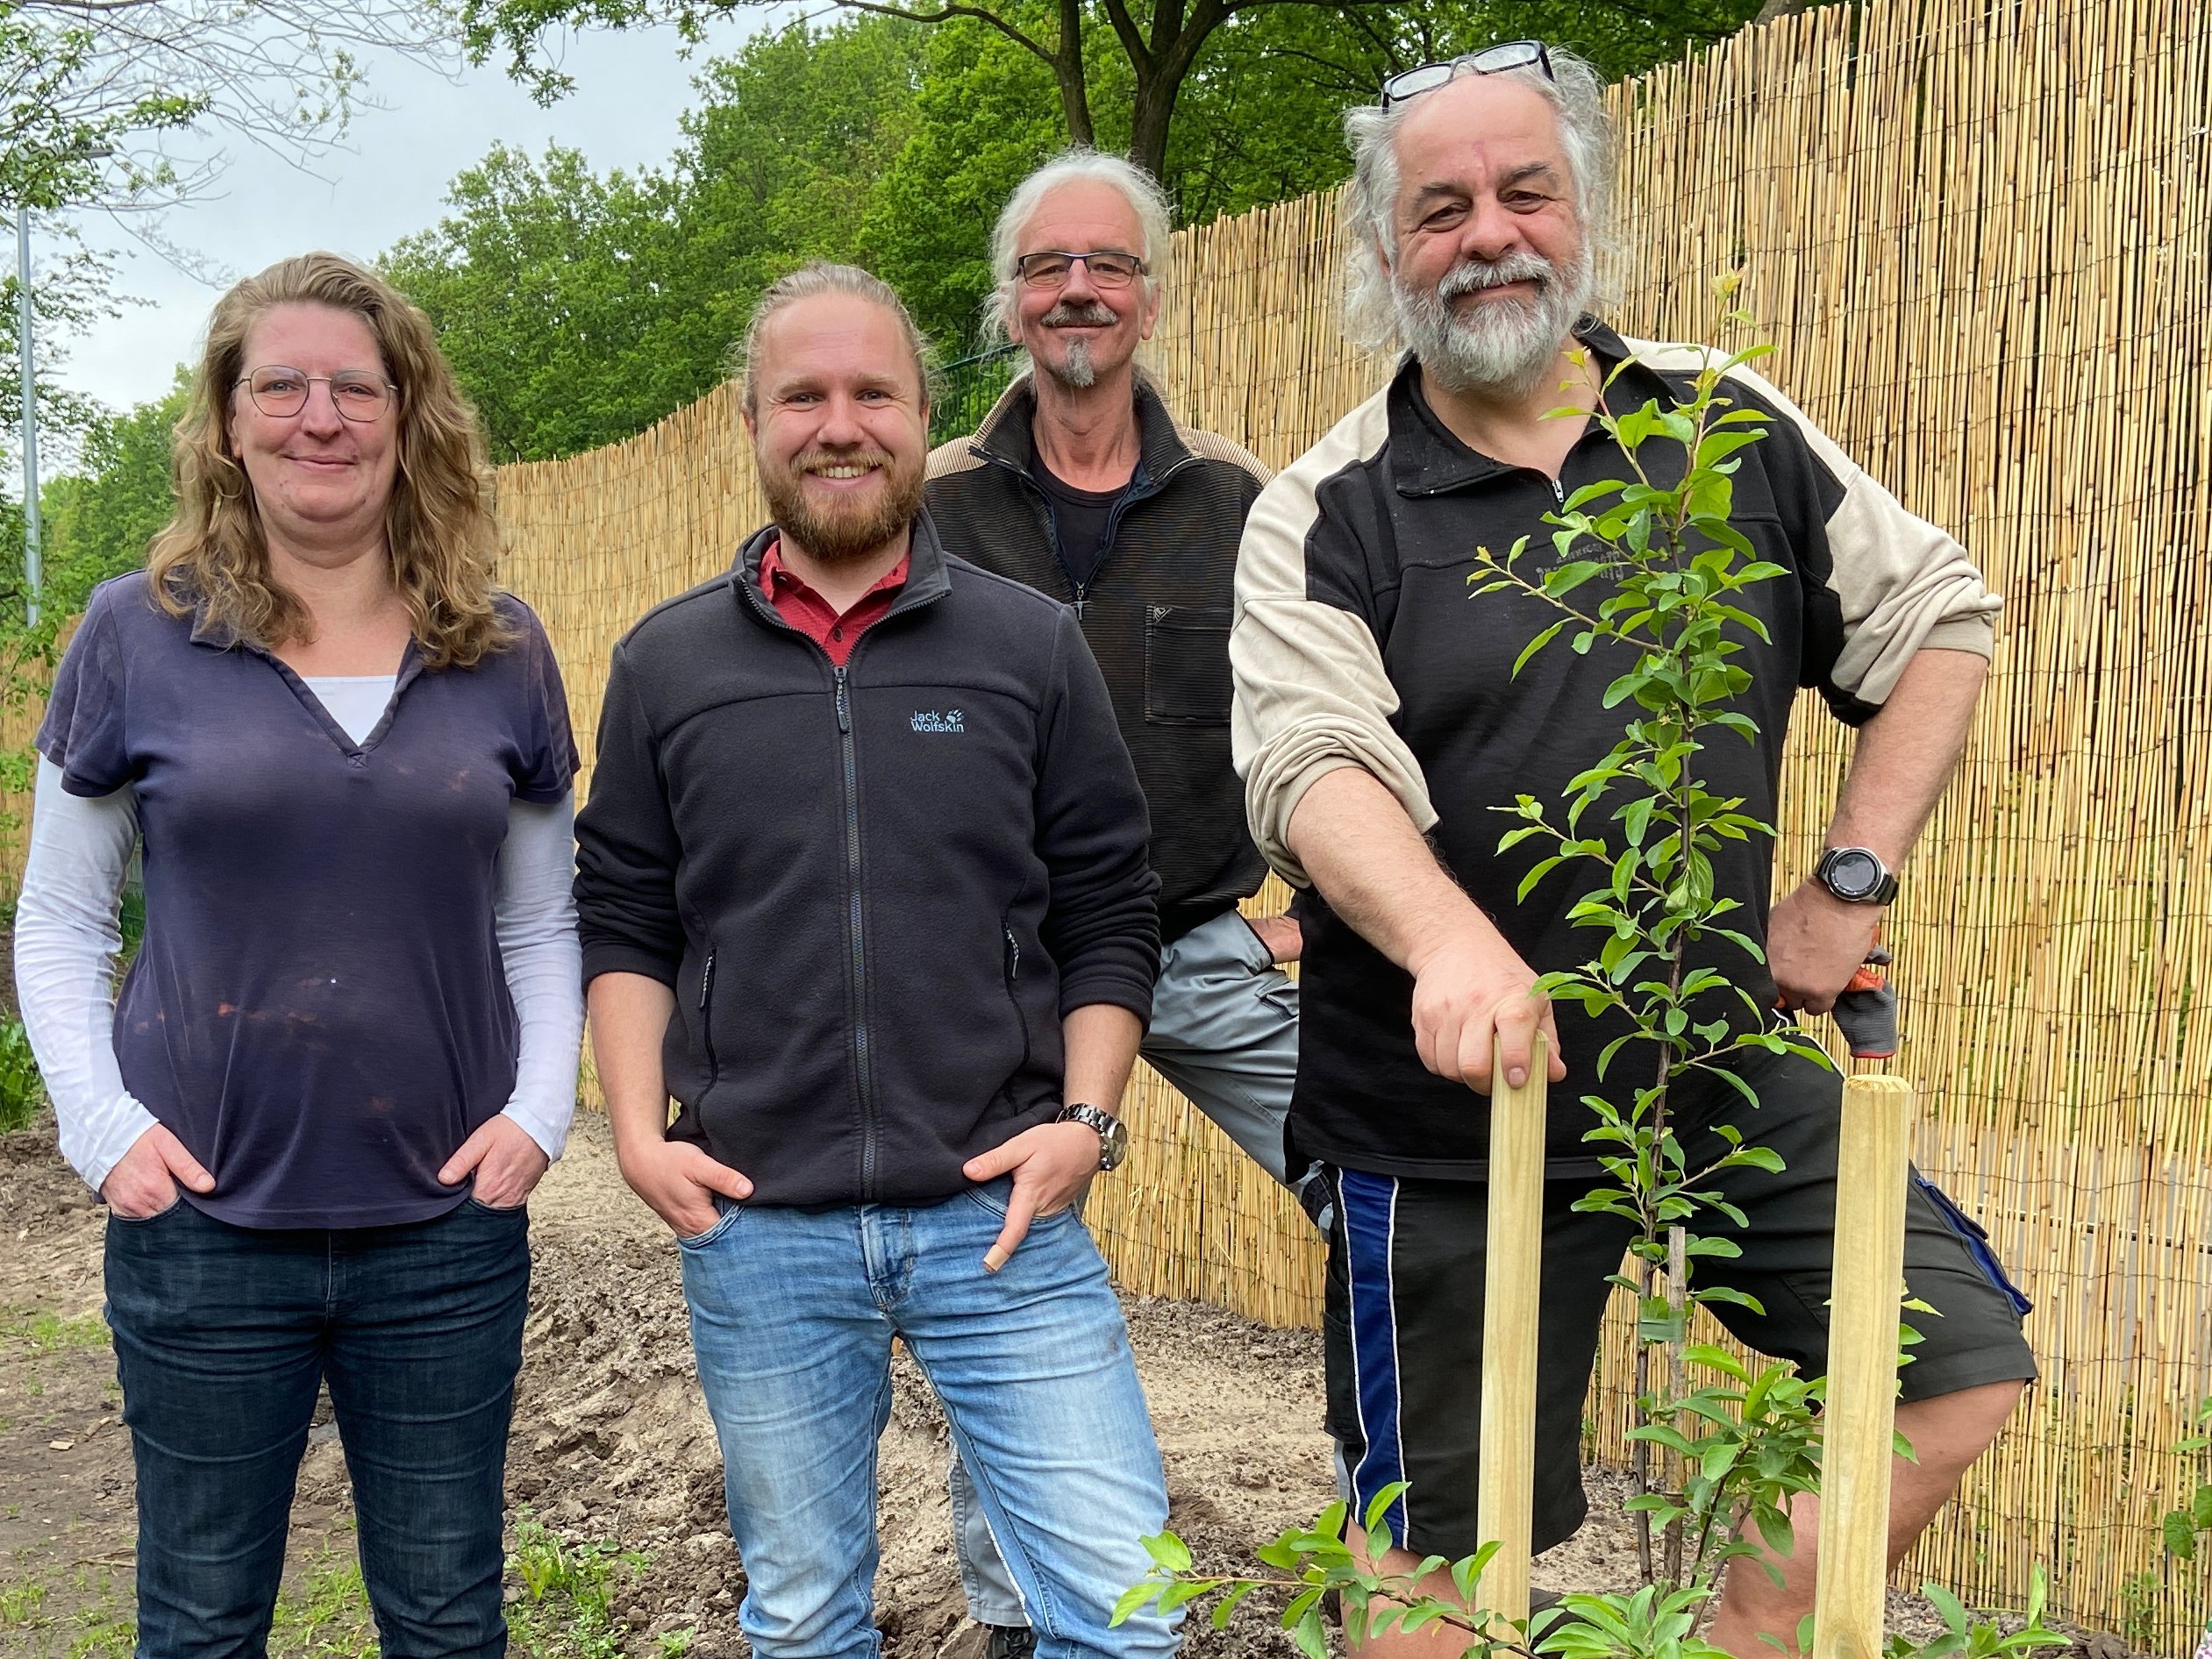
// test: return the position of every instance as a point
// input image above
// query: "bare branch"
(946, 13)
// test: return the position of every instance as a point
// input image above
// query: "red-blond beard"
(845, 532)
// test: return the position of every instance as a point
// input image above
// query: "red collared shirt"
(836, 632)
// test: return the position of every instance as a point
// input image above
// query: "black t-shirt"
(1081, 519)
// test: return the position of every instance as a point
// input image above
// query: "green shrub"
(22, 1092)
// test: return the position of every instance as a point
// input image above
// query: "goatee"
(1080, 372)
(839, 532)
(1504, 345)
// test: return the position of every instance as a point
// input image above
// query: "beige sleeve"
(1903, 584)
(1311, 692)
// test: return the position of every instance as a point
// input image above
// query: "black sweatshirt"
(875, 890)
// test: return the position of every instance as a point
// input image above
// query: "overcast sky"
(389, 179)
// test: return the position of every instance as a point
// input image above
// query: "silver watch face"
(1852, 874)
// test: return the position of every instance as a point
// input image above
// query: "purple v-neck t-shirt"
(318, 1011)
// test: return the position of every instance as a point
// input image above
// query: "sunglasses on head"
(1512, 54)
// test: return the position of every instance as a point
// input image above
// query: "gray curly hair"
(1574, 89)
(1078, 165)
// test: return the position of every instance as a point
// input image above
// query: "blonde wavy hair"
(210, 562)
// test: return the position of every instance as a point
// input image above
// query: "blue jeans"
(792, 1316)
(1224, 1032)
(223, 1337)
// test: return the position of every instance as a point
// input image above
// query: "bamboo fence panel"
(1976, 231)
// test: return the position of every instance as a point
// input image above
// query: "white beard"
(1502, 346)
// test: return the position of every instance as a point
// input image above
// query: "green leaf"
(1133, 1598)
(1379, 1506)
(2180, 1535)
(1536, 644)
(1168, 1551)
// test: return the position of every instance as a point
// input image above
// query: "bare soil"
(612, 1447)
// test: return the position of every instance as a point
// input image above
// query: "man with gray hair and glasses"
(1379, 722)
(1080, 484)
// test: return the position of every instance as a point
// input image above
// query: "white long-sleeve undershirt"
(66, 940)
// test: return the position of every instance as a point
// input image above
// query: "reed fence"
(1976, 234)
(1977, 231)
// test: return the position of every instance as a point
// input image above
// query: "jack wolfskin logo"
(936, 720)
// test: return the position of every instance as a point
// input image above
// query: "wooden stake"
(1860, 1427)
(1512, 1281)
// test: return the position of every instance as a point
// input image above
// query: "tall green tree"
(551, 289)
(99, 517)
(578, 308)
(1102, 56)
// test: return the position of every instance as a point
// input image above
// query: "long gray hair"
(1370, 198)
(1079, 165)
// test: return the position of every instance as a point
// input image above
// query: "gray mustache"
(1472, 276)
(1091, 315)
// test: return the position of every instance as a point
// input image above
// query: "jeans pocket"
(473, 1202)
(163, 1215)
(728, 1219)
(991, 1197)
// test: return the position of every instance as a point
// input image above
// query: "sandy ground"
(611, 1445)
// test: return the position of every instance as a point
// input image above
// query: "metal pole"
(33, 571)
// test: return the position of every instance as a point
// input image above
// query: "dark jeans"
(223, 1334)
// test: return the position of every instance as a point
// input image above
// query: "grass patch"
(328, 1618)
(19, 1605)
(567, 1606)
(44, 1333)
(567, 1609)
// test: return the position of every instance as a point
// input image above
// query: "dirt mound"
(613, 1476)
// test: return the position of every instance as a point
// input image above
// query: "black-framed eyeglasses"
(1109, 267)
(1511, 55)
(280, 392)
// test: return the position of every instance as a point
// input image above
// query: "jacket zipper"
(864, 1076)
(1013, 976)
(1078, 592)
(863, 1073)
(706, 1018)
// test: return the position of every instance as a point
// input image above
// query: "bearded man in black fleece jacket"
(862, 884)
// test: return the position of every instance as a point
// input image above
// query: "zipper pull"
(1558, 492)
(1081, 602)
(1013, 956)
(706, 983)
(844, 705)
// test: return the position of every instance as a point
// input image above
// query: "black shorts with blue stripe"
(1403, 1317)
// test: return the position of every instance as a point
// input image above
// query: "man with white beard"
(1376, 704)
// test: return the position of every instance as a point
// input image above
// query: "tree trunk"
(1067, 73)
(1154, 112)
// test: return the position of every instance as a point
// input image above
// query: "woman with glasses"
(346, 1049)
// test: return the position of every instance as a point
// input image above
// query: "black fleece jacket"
(875, 890)
(1155, 611)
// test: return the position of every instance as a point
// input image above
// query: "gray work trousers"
(1224, 1031)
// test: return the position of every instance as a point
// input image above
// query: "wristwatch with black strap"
(1856, 875)
(1113, 1134)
